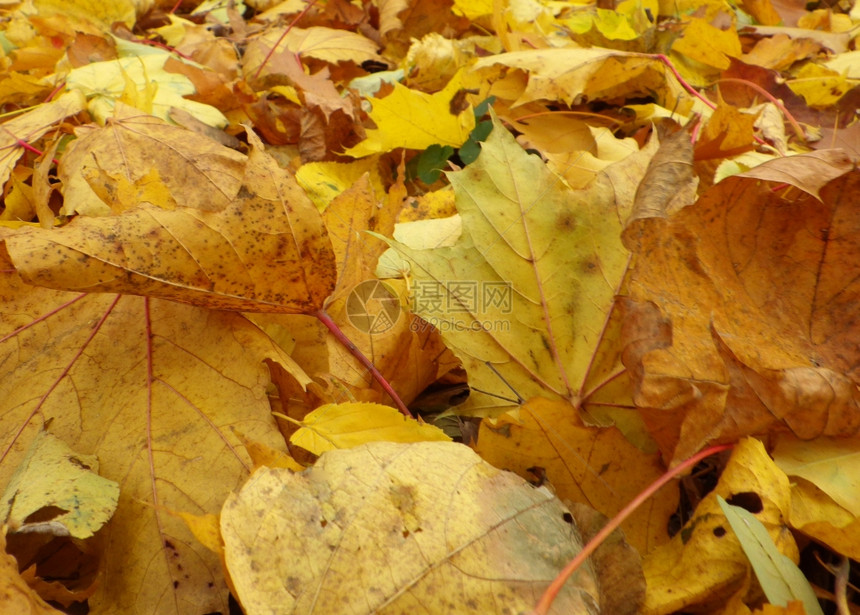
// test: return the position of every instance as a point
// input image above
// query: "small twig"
(332, 326)
(665, 60)
(55, 91)
(694, 134)
(840, 586)
(554, 588)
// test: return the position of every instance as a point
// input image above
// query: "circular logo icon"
(373, 307)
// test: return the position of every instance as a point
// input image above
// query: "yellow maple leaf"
(568, 74)
(520, 327)
(153, 389)
(323, 181)
(820, 86)
(327, 44)
(102, 13)
(572, 148)
(702, 50)
(627, 22)
(415, 120)
(817, 515)
(825, 502)
(583, 464)
(473, 8)
(139, 158)
(830, 463)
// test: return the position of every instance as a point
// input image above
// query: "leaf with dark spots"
(266, 251)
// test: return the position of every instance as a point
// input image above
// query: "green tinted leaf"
(781, 580)
(470, 149)
(432, 161)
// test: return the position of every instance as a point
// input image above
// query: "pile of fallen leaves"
(586, 240)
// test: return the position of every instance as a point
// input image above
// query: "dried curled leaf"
(266, 251)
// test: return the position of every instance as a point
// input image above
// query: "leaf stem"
(544, 604)
(332, 326)
(289, 419)
(27, 146)
(788, 116)
(55, 91)
(665, 60)
(840, 586)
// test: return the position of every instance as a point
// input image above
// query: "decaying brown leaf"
(15, 595)
(617, 565)
(741, 313)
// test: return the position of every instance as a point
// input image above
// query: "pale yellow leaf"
(818, 516)
(831, 464)
(348, 425)
(398, 528)
(142, 82)
(53, 476)
(323, 181)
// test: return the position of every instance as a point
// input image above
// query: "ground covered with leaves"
(385, 306)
